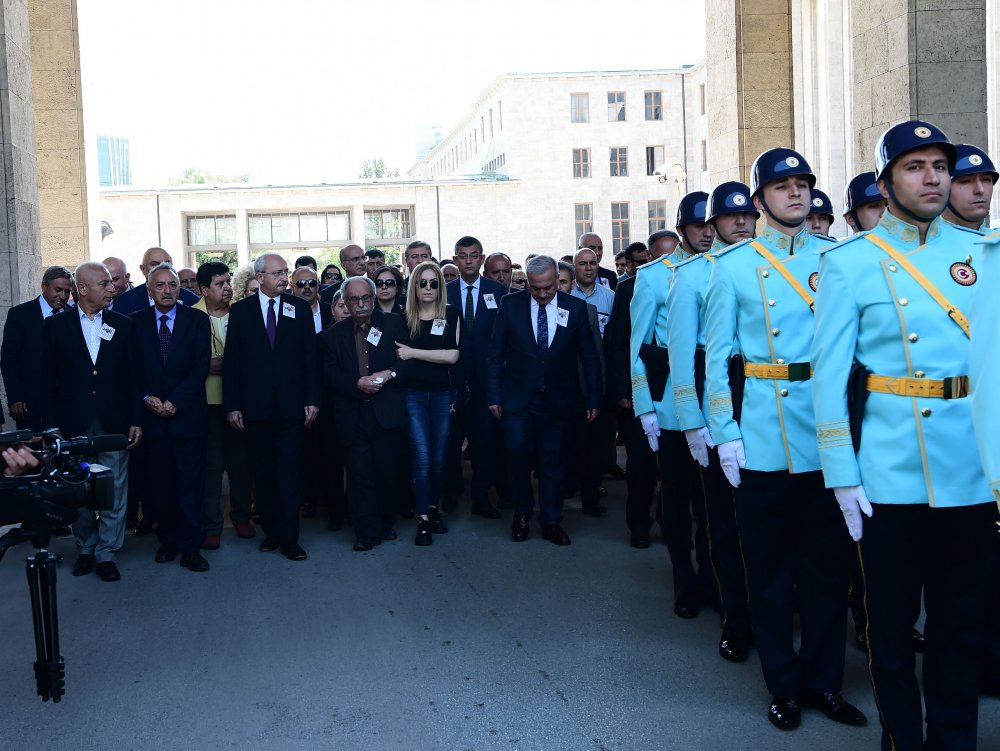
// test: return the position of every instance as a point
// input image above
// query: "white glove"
(732, 459)
(651, 427)
(853, 501)
(699, 442)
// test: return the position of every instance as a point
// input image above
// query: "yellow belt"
(796, 371)
(956, 387)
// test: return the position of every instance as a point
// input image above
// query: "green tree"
(198, 176)
(376, 168)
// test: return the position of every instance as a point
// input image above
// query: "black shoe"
(834, 706)
(919, 642)
(165, 554)
(361, 545)
(308, 510)
(733, 645)
(685, 609)
(194, 562)
(438, 526)
(294, 553)
(450, 501)
(639, 540)
(269, 544)
(556, 535)
(144, 527)
(85, 563)
(485, 509)
(595, 511)
(390, 536)
(108, 571)
(423, 533)
(784, 714)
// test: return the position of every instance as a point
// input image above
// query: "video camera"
(42, 502)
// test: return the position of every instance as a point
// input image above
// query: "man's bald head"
(152, 258)
(119, 273)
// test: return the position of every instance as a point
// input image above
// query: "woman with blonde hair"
(430, 394)
(244, 282)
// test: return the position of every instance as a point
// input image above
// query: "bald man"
(120, 277)
(136, 299)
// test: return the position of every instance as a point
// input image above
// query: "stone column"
(62, 185)
(918, 59)
(749, 83)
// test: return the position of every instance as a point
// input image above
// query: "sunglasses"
(432, 283)
(519, 282)
(302, 283)
(385, 282)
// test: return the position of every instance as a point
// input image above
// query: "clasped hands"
(370, 384)
(160, 408)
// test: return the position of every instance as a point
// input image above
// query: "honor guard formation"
(813, 424)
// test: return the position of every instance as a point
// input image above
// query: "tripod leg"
(54, 665)
(41, 680)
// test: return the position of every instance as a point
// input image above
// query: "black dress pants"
(372, 483)
(640, 474)
(795, 541)
(176, 490)
(275, 447)
(946, 553)
(678, 474)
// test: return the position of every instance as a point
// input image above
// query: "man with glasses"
(305, 285)
(593, 242)
(271, 389)
(353, 263)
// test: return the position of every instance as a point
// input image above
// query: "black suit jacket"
(261, 382)
(515, 366)
(617, 334)
(474, 345)
(21, 358)
(135, 299)
(181, 379)
(341, 373)
(75, 390)
(611, 276)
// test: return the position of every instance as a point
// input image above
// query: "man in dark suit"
(362, 376)
(542, 345)
(89, 386)
(477, 300)
(305, 285)
(592, 241)
(271, 388)
(138, 298)
(173, 349)
(353, 263)
(21, 349)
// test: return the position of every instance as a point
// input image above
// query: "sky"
(304, 91)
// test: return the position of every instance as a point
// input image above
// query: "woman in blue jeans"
(430, 393)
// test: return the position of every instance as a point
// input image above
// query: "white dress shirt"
(47, 309)
(92, 333)
(475, 295)
(262, 299)
(550, 314)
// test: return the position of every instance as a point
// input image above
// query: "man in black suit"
(542, 345)
(362, 376)
(271, 388)
(89, 386)
(138, 298)
(21, 349)
(477, 300)
(353, 263)
(173, 348)
(593, 242)
(305, 285)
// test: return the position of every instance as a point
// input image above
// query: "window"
(581, 162)
(616, 106)
(657, 216)
(211, 230)
(491, 122)
(385, 224)
(308, 229)
(654, 158)
(654, 105)
(619, 161)
(584, 215)
(704, 155)
(701, 97)
(482, 128)
(579, 108)
(499, 115)
(619, 226)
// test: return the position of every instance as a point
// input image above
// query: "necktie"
(164, 338)
(543, 331)
(272, 323)
(470, 311)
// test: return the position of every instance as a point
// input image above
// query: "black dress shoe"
(596, 511)
(485, 509)
(615, 472)
(85, 563)
(390, 536)
(784, 714)
(269, 544)
(519, 527)
(556, 535)
(361, 545)
(685, 609)
(438, 526)
(834, 706)
(919, 642)
(194, 562)
(308, 510)
(294, 553)
(165, 554)
(450, 501)
(733, 645)
(144, 527)
(423, 537)
(108, 571)
(639, 540)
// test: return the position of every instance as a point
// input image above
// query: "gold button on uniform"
(913, 337)
(784, 392)
(925, 412)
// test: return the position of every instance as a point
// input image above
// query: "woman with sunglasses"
(331, 274)
(429, 396)
(389, 291)
(518, 280)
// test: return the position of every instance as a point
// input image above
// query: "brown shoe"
(556, 535)
(211, 542)
(244, 530)
(519, 527)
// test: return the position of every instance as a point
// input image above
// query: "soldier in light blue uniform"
(731, 212)
(972, 181)
(820, 213)
(893, 300)
(652, 396)
(760, 294)
(863, 203)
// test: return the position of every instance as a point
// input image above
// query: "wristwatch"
(392, 373)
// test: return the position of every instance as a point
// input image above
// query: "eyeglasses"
(276, 274)
(468, 256)
(357, 300)
(432, 283)
(519, 282)
(385, 282)
(301, 283)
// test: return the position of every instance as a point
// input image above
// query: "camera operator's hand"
(18, 460)
(19, 410)
(235, 420)
(154, 405)
(134, 436)
(167, 409)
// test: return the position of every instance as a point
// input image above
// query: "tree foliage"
(375, 168)
(198, 176)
